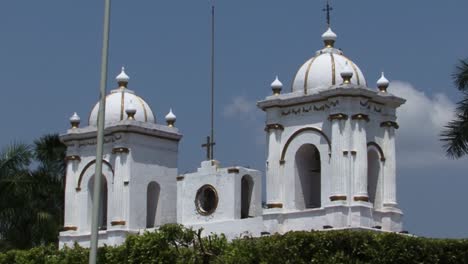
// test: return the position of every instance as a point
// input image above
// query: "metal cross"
(209, 146)
(328, 9)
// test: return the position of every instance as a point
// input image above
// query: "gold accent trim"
(274, 205)
(333, 69)
(379, 149)
(80, 178)
(70, 228)
(361, 198)
(360, 117)
(119, 222)
(389, 124)
(269, 127)
(72, 158)
(353, 152)
(78, 189)
(180, 178)
(295, 134)
(337, 116)
(306, 77)
(338, 198)
(282, 162)
(345, 152)
(120, 150)
(233, 170)
(197, 200)
(144, 108)
(122, 105)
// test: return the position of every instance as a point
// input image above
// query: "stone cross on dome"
(328, 9)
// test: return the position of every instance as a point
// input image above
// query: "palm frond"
(460, 76)
(455, 135)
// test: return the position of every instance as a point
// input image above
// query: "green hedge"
(176, 244)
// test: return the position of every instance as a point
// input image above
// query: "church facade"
(330, 163)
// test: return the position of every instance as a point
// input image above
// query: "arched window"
(152, 202)
(374, 179)
(102, 223)
(246, 195)
(308, 182)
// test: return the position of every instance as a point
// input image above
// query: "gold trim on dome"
(306, 78)
(122, 105)
(333, 69)
(144, 108)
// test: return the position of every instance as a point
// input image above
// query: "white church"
(330, 163)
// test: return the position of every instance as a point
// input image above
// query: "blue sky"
(50, 59)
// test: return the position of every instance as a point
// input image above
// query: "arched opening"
(102, 222)
(246, 195)
(374, 181)
(152, 202)
(308, 169)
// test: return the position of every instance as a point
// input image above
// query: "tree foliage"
(455, 134)
(176, 244)
(31, 193)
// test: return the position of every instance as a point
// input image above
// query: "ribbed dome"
(117, 103)
(325, 68)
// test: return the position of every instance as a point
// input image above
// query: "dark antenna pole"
(212, 142)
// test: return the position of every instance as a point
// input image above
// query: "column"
(118, 197)
(389, 164)
(71, 194)
(273, 182)
(360, 161)
(339, 166)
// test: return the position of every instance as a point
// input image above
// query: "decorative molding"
(269, 127)
(334, 198)
(198, 204)
(295, 134)
(379, 149)
(87, 167)
(345, 152)
(274, 205)
(120, 150)
(73, 158)
(353, 152)
(282, 162)
(70, 228)
(78, 189)
(233, 170)
(307, 109)
(390, 124)
(118, 223)
(180, 178)
(338, 116)
(360, 117)
(107, 139)
(361, 198)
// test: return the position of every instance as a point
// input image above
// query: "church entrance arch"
(102, 219)
(374, 177)
(246, 195)
(308, 170)
(152, 204)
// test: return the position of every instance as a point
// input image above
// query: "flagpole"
(212, 143)
(100, 136)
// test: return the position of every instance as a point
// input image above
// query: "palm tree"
(31, 197)
(455, 134)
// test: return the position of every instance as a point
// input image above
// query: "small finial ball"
(329, 38)
(276, 86)
(131, 111)
(75, 120)
(383, 83)
(347, 74)
(170, 118)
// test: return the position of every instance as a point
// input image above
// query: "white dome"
(116, 104)
(325, 68)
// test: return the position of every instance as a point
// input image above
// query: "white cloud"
(421, 120)
(241, 107)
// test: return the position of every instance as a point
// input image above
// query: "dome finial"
(122, 79)
(131, 111)
(75, 120)
(329, 38)
(383, 83)
(276, 86)
(347, 74)
(170, 118)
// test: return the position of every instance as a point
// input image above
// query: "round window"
(206, 200)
